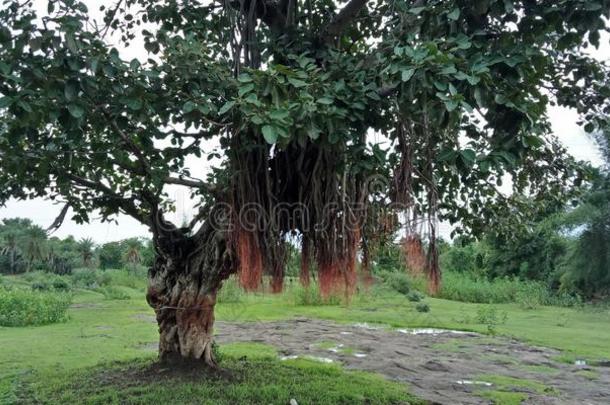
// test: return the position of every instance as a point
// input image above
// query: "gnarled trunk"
(185, 315)
(182, 287)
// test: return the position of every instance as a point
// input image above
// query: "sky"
(43, 212)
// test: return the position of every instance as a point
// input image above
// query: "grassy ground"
(62, 361)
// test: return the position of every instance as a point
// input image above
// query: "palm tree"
(34, 245)
(85, 248)
(132, 253)
(11, 249)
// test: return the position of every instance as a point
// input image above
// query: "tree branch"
(342, 19)
(188, 183)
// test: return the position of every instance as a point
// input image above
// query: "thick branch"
(188, 183)
(342, 19)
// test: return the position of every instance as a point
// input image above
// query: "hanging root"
(250, 258)
(415, 256)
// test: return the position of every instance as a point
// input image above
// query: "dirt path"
(445, 368)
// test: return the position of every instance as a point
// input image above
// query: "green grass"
(251, 381)
(510, 390)
(102, 330)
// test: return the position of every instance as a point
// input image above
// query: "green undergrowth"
(247, 378)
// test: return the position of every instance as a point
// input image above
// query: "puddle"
(359, 355)
(365, 325)
(314, 358)
(580, 363)
(468, 382)
(430, 331)
(346, 333)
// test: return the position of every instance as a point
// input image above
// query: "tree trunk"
(182, 287)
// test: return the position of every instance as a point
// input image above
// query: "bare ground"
(445, 368)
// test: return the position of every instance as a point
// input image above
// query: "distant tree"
(34, 246)
(110, 255)
(86, 249)
(132, 252)
(586, 269)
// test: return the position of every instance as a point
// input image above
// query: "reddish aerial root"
(250, 266)
(433, 270)
(415, 256)
(277, 279)
(337, 270)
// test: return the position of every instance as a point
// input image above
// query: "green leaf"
(325, 100)
(245, 89)
(188, 107)
(270, 134)
(134, 104)
(469, 156)
(5, 102)
(454, 14)
(244, 78)
(407, 74)
(226, 107)
(71, 90)
(313, 132)
(296, 82)
(76, 110)
(71, 43)
(134, 64)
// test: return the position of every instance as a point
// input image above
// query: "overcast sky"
(43, 212)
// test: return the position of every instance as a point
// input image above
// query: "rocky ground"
(441, 366)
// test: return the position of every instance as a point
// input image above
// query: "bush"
(422, 307)
(41, 281)
(230, 292)
(310, 296)
(135, 278)
(113, 293)
(89, 279)
(466, 287)
(398, 281)
(415, 296)
(25, 307)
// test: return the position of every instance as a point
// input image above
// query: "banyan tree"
(326, 120)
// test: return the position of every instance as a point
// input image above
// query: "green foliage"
(468, 287)
(415, 296)
(90, 279)
(20, 307)
(491, 317)
(465, 257)
(110, 255)
(397, 280)
(113, 293)
(231, 292)
(422, 307)
(269, 381)
(310, 296)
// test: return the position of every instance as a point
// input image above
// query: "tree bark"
(182, 287)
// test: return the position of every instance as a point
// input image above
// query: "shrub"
(422, 307)
(134, 278)
(398, 281)
(230, 292)
(310, 296)
(491, 317)
(415, 296)
(89, 279)
(113, 293)
(25, 307)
